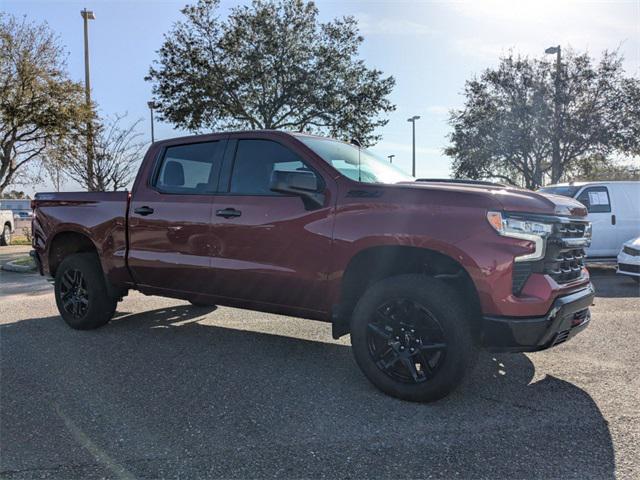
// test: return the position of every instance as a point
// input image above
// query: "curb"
(12, 267)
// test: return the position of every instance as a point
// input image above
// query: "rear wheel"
(5, 238)
(411, 337)
(81, 292)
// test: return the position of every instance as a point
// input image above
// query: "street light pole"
(555, 160)
(413, 122)
(151, 106)
(390, 158)
(86, 16)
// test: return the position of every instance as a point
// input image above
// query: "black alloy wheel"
(405, 341)
(411, 336)
(81, 292)
(74, 294)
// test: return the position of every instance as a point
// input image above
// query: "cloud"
(525, 27)
(391, 26)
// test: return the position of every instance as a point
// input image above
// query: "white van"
(614, 211)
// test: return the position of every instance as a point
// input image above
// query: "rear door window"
(596, 199)
(190, 169)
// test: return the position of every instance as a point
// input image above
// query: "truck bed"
(101, 217)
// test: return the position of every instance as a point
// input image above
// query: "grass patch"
(20, 241)
(24, 262)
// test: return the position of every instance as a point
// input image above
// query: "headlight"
(523, 229)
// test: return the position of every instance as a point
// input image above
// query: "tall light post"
(555, 160)
(413, 122)
(86, 16)
(151, 106)
(390, 158)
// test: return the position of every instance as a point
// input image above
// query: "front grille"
(631, 251)
(521, 272)
(627, 267)
(565, 254)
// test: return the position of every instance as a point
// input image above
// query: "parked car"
(614, 212)
(23, 215)
(8, 227)
(420, 274)
(629, 259)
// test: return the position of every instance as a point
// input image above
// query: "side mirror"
(302, 184)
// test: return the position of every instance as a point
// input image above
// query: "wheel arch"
(65, 243)
(376, 263)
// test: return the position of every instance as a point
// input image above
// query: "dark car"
(420, 274)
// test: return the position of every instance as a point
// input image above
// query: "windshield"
(344, 158)
(565, 191)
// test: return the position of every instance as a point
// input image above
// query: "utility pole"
(413, 122)
(555, 161)
(86, 16)
(390, 158)
(151, 106)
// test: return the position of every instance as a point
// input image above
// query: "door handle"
(613, 219)
(144, 211)
(228, 213)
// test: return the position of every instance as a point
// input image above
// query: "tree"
(505, 130)
(39, 105)
(597, 168)
(14, 194)
(270, 65)
(117, 150)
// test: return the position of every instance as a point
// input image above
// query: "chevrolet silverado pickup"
(421, 274)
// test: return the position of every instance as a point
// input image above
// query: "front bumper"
(568, 316)
(628, 264)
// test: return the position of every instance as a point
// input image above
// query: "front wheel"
(81, 292)
(411, 337)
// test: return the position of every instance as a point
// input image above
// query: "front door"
(170, 219)
(599, 205)
(269, 247)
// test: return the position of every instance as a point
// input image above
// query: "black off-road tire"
(438, 312)
(99, 308)
(5, 237)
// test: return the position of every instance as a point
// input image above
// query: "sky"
(430, 47)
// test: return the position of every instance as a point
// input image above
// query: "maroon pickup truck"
(421, 274)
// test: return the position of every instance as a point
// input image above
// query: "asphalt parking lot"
(169, 390)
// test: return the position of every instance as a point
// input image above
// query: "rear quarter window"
(189, 169)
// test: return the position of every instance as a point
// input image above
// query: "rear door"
(600, 206)
(170, 217)
(269, 247)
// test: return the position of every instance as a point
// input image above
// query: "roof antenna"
(356, 142)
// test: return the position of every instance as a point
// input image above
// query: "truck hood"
(513, 199)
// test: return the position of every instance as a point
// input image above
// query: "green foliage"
(39, 104)
(506, 127)
(269, 65)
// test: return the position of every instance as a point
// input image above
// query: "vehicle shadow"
(158, 394)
